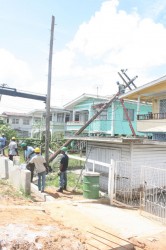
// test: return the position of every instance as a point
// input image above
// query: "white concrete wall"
(19, 178)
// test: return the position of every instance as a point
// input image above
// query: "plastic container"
(91, 185)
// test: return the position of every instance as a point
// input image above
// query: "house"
(33, 124)
(139, 174)
(110, 122)
(58, 118)
(155, 93)
(21, 122)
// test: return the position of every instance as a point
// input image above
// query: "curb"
(43, 196)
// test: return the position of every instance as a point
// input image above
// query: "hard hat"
(64, 149)
(37, 150)
(13, 138)
(23, 144)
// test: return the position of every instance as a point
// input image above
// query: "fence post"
(111, 181)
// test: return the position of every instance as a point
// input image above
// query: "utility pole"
(47, 135)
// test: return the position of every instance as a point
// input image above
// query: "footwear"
(42, 191)
(60, 190)
(65, 188)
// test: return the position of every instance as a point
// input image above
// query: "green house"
(110, 122)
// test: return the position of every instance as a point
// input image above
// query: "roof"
(148, 91)
(84, 97)
(52, 109)
(15, 114)
(117, 140)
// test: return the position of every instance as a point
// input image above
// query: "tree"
(8, 131)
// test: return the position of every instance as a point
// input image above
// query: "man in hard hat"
(63, 170)
(41, 168)
(28, 155)
(13, 150)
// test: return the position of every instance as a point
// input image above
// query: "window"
(77, 117)
(163, 106)
(15, 121)
(67, 118)
(26, 121)
(60, 117)
(130, 114)
(102, 116)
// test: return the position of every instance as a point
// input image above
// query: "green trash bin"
(91, 185)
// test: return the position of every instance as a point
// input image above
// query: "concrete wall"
(18, 177)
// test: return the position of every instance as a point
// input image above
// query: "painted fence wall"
(137, 156)
(18, 177)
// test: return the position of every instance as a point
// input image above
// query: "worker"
(121, 88)
(41, 168)
(28, 155)
(2, 143)
(13, 150)
(63, 170)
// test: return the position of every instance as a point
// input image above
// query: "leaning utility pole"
(105, 106)
(47, 135)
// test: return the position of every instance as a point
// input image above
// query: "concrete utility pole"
(47, 135)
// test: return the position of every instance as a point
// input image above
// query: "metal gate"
(153, 195)
(126, 184)
(143, 187)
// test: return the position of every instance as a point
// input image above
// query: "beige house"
(153, 92)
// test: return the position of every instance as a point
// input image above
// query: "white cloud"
(16, 73)
(110, 41)
(13, 70)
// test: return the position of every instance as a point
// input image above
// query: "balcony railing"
(152, 116)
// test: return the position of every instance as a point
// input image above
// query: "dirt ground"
(31, 224)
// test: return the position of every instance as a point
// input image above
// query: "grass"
(6, 189)
(52, 179)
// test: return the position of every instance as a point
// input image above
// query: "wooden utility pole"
(47, 135)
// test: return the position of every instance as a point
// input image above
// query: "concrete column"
(25, 184)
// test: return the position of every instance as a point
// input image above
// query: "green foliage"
(8, 131)
(30, 142)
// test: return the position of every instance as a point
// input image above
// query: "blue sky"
(93, 40)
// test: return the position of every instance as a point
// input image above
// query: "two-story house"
(21, 122)
(58, 118)
(33, 124)
(155, 93)
(111, 121)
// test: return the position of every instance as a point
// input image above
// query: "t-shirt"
(28, 151)
(39, 161)
(12, 148)
(2, 141)
(64, 162)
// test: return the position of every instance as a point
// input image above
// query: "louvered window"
(163, 106)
